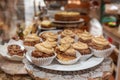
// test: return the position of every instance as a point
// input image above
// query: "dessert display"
(49, 36)
(31, 40)
(67, 16)
(85, 37)
(66, 40)
(82, 48)
(15, 50)
(100, 43)
(67, 32)
(46, 24)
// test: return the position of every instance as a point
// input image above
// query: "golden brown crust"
(66, 40)
(46, 24)
(67, 32)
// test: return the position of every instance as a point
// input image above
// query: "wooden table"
(113, 33)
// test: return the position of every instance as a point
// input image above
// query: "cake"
(31, 40)
(100, 43)
(46, 24)
(67, 16)
(82, 48)
(85, 37)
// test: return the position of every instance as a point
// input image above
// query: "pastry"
(85, 37)
(46, 24)
(15, 50)
(100, 43)
(67, 16)
(67, 32)
(49, 35)
(65, 52)
(82, 48)
(31, 40)
(66, 39)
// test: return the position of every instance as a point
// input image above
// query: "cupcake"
(49, 35)
(46, 24)
(82, 48)
(67, 32)
(100, 43)
(101, 47)
(85, 37)
(66, 39)
(31, 40)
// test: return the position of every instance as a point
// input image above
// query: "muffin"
(49, 36)
(46, 24)
(31, 40)
(99, 43)
(67, 32)
(67, 16)
(66, 40)
(85, 37)
(15, 50)
(65, 52)
(82, 48)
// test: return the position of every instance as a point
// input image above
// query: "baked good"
(38, 54)
(15, 50)
(82, 48)
(67, 16)
(49, 36)
(66, 40)
(65, 52)
(99, 43)
(46, 24)
(31, 40)
(85, 37)
(67, 32)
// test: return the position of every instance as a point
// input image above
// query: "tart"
(15, 50)
(31, 40)
(67, 16)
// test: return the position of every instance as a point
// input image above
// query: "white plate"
(80, 65)
(69, 22)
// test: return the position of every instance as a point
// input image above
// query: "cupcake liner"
(4, 51)
(85, 57)
(39, 61)
(103, 53)
(78, 55)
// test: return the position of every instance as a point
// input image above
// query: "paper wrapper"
(103, 53)
(85, 57)
(78, 56)
(4, 51)
(39, 61)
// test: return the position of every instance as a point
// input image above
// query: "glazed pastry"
(85, 37)
(67, 16)
(66, 39)
(49, 35)
(67, 32)
(82, 48)
(100, 43)
(31, 40)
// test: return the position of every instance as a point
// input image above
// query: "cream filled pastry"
(82, 48)
(100, 43)
(85, 37)
(67, 32)
(66, 39)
